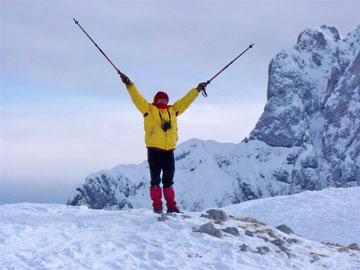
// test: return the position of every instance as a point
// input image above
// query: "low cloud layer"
(42, 150)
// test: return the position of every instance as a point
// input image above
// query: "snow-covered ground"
(49, 236)
(331, 215)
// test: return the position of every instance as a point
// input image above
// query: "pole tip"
(251, 45)
(76, 22)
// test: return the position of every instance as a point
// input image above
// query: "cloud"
(42, 149)
(221, 122)
(159, 43)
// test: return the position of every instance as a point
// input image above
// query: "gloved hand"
(201, 86)
(125, 79)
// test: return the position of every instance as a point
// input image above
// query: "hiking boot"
(174, 210)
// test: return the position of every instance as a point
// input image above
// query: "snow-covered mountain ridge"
(308, 137)
(40, 236)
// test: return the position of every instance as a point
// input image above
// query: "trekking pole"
(76, 22)
(203, 90)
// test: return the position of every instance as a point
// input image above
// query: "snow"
(50, 236)
(317, 215)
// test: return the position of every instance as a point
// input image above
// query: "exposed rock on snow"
(209, 229)
(263, 250)
(217, 214)
(354, 246)
(284, 229)
(308, 137)
(231, 230)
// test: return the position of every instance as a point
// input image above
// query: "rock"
(279, 243)
(263, 250)
(285, 229)
(209, 229)
(354, 246)
(249, 233)
(292, 241)
(244, 247)
(205, 216)
(231, 230)
(263, 238)
(217, 214)
(315, 258)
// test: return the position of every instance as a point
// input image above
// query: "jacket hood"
(161, 95)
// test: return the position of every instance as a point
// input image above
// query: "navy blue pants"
(161, 161)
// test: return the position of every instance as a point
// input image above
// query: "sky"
(65, 112)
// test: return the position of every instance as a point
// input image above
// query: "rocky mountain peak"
(331, 32)
(301, 79)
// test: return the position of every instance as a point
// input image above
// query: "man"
(160, 124)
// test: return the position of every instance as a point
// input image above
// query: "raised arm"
(182, 104)
(137, 98)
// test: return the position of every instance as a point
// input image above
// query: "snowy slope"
(39, 236)
(331, 215)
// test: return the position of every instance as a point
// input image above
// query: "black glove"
(125, 79)
(202, 87)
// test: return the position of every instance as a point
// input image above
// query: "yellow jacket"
(155, 137)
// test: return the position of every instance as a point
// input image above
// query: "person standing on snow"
(160, 124)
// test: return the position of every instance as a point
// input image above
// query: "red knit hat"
(161, 95)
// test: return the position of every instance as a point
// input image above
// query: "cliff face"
(308, 137)
(313, 102)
